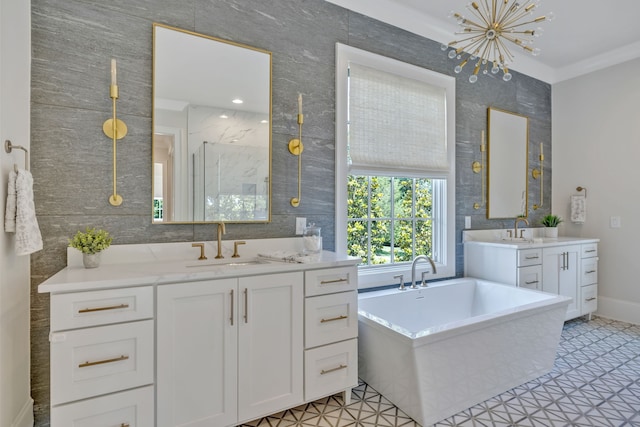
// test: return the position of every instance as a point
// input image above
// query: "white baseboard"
(616, 309)
(25, 417)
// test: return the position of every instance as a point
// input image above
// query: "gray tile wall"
(73, 42)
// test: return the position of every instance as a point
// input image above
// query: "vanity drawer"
(330, 280)
(530, 277)
(94, 361)
(133, 408)
(330, 368)
(83, 309)
(330, 318)
(589, 250)
(589, 298)
(589, 271)
(529, 257)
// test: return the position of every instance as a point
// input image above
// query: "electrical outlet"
(467, 222)
(301, 223)
(615, 222)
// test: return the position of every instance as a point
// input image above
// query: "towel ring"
(578, 189)
(8, 147)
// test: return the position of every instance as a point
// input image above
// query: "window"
(395, 165)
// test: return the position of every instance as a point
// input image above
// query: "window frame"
(443, 213)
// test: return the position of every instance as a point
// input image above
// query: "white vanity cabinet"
(564, 266)
(168, 344)
(229, 350)
(102, 358)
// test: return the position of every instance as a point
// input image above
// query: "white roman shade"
(395, 123)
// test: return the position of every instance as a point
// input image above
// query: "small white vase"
(551, 232)
(91, 260)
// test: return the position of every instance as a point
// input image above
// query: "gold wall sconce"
(115, 129)
(296, 147)
(539, 174)
(479, 167)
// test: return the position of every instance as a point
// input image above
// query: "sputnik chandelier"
(494, 23)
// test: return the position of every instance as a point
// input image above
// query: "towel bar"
(8, 147)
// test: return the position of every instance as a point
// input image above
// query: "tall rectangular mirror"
(507, 163)
(211, 129)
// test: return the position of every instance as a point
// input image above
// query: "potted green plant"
(551, 223)
(91, 243)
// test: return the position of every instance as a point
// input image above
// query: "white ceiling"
(586, 35)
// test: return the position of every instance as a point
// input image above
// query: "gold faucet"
(515, 227)
(220, 232)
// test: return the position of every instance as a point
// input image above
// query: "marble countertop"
(156, 264)
(540, 242)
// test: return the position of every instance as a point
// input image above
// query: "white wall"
(16, 405)
(596, 144)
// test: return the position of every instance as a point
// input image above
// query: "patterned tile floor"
(595, 382)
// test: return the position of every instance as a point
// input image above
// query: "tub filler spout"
(413, 270)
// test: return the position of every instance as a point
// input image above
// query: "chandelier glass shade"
(493, 27)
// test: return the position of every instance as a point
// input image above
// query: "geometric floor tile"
(595, 382)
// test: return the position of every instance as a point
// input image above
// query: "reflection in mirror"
(211, 129)
(507, 147)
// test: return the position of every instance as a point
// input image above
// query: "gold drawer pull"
(333, 319)
(328, 371)
(327, 282)
(102, 362)
(124, 425)
(111, 307)
(590, 299)
(591, 271)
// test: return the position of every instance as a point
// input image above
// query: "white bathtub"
(436, 351)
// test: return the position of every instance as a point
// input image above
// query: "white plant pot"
(551, 232)
(91, 260)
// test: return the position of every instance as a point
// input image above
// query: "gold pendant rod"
(296, 147)
(115, 129)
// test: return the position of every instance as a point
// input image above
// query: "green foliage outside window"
(157, 209)
(389, 219)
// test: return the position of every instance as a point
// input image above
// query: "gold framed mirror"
(211, 129)
(507, 164)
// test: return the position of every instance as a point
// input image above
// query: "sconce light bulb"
(452, 54)
(473, 78)
(507, 76)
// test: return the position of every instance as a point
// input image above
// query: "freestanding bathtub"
(438, 350)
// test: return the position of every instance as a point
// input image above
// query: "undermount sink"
(227, 262)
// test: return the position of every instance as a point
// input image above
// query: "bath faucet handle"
(235, 248)
(201, 246)
(424, 281)
(401, 277)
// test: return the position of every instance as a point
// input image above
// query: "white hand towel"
(578, 209)
(10, 210)
(28, 237)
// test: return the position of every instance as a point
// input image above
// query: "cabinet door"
(560, 274)
(197, 354)
(270, 370)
